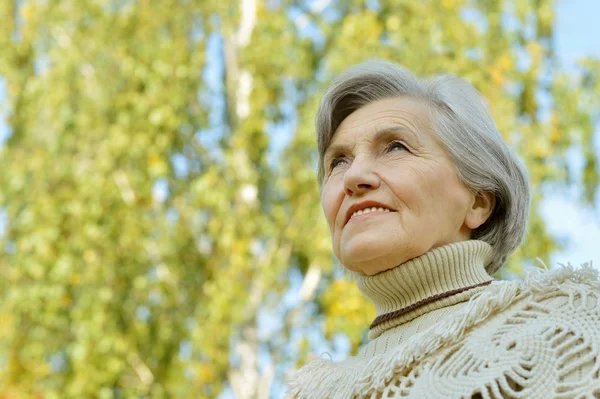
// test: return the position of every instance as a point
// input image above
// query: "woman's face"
(385, 156)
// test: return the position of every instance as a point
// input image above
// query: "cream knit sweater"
(444, 331)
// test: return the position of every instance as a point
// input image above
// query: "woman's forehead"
(402, 115)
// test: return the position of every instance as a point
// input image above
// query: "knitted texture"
(537, 338)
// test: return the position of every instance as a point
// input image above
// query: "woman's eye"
(396, 145)
(336, 162)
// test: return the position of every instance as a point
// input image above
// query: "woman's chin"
(367, 242)
(364, 255)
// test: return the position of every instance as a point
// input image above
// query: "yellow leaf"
(449, 4)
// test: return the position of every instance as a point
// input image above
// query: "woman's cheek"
(329, 207)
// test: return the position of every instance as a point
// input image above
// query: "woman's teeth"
(369, 210)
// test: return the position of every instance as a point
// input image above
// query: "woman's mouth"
(363, 213)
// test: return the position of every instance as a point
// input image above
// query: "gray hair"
(463, 125)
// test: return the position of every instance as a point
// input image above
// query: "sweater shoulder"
(557, 296)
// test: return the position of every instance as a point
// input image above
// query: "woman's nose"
(360, 177)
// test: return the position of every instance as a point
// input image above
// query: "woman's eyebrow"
(391, 132)
(336, 149)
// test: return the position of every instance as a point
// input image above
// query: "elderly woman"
(425, 202)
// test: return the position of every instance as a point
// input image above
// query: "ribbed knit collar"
(451, 273)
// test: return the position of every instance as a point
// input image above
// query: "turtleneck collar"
(441, 277)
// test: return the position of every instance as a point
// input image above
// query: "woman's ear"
(480, 210)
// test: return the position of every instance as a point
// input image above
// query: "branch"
(140, 369)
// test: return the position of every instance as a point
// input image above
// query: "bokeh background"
(160, 229)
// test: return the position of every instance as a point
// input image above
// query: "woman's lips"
(363, 207)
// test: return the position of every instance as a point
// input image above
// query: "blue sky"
(578, 30)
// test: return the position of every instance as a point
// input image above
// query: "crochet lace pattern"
(537, 338)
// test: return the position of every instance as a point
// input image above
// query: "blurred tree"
(159, 181)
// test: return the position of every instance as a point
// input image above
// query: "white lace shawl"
(537, 338)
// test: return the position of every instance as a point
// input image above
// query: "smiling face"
(385, 156)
